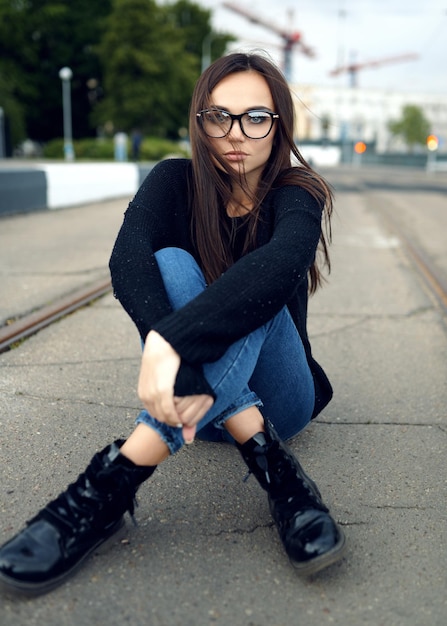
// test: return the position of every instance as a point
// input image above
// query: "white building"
(346, 114)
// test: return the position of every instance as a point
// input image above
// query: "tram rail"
(434, 279)
(31, 323)
(22, 327)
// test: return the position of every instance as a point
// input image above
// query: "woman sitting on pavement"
(214, 263)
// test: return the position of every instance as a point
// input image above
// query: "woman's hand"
(159, 366)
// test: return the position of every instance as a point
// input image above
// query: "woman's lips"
(235, 156)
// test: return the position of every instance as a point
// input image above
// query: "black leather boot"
(310, 536)
(69, 528)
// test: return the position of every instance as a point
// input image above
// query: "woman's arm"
(249, 294)
(156, 218)
(255, 288)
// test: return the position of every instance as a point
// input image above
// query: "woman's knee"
(167, 255)
(182, 276)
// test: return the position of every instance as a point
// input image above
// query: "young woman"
(214, 263)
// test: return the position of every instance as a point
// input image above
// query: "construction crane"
(353, 68)
(290, 39)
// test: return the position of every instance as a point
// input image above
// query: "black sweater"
(244, 298)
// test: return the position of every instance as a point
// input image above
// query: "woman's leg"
(283, 366)
(310, 536)
(245, 424)
(145, 446)
(283, 380)
(91, 509)
(271, 361)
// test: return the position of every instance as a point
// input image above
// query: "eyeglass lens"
(254, 124)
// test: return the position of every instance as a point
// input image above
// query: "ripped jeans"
(267, 368)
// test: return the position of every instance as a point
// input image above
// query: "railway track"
(23, 327)
(28, 325)
(433, 277)
(31, 323)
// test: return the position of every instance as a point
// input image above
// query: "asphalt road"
(205, 551)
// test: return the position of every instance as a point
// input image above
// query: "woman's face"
(239, 93)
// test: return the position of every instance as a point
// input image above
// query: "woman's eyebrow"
(251, 108)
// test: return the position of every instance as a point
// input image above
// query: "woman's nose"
(236, 131)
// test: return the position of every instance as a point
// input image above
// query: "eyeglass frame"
(233, 117)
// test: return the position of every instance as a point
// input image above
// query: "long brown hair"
(212, 186)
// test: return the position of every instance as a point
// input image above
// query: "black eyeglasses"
(217, 123)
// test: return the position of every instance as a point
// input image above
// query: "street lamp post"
(2, 135)
(65, 74)
(206, 51)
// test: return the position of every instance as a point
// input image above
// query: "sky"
(343, 31)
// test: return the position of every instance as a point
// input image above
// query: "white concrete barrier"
(69, 184)
(35, 186)
(319, 156)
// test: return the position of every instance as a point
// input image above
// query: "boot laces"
(87, 501)
(285, 478)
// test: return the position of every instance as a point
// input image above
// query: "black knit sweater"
(244, 298)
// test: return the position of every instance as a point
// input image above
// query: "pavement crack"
(398, 507)
(360, 320)
(83, 402)
(341, 329)
(241, 531)
(324, 422)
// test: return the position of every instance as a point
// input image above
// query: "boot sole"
(38, 588)
(308, 568)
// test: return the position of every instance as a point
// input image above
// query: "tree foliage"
(38, 38)
(151, 57)
(134, 63)
(194, 23)
(412, 127)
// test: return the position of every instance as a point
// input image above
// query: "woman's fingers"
(189, 432)
(159, 367)
(191, 409)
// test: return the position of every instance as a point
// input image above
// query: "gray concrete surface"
(205, 551)
(47, 254)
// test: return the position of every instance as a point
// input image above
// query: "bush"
(53, 149)
(92, 148)
(152, 149)
(155, 148)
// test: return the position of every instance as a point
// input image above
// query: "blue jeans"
(267, 368)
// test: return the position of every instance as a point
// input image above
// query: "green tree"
(13, 110)
(37, 38)
(199, 37)
(142, 57)
(151, 56)
(413, 127)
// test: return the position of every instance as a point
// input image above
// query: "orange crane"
(290, 39)
(353, 68)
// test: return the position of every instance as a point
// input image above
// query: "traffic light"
(360, 147)
(432, 143)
